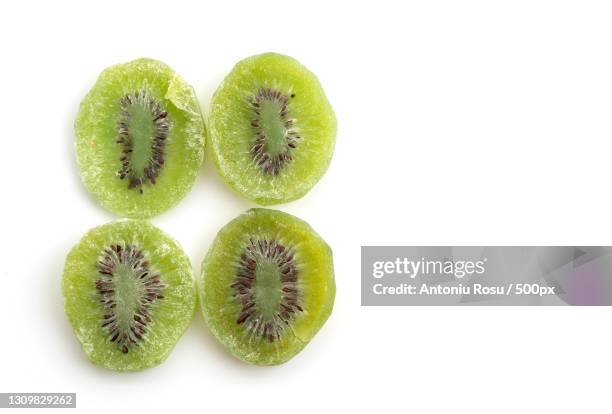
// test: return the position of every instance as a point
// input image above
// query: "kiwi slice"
(267, 286)
(272, 129)
(129, 294)
(139, 138)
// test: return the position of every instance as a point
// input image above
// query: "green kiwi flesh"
(128, 294)
(139, 138)
(272, 129)
(267, 286)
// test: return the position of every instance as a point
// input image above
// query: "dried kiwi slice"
(139, 138)
(272, 129)
(129, 294)
(267, 286)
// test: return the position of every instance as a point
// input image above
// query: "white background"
(473, 122)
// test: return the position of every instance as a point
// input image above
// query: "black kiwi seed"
(271, 325)
(272, 161)
(124, 269)
(148, 173)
